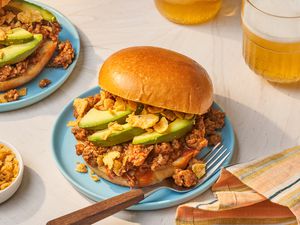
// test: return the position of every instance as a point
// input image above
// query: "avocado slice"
(98, 120)
(20, 5)
(116, 137)
(176, 129)
(16, 53)
(17, 36)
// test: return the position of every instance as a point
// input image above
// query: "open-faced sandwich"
(150, 120)
(28, 42)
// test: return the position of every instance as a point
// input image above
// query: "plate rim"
(145, 205)
(11, 106)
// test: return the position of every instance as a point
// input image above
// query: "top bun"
(158, 77)
(4, 3)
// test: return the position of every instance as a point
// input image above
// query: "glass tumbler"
(271, 38)
(188, 11)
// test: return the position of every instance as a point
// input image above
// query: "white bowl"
(13, 187)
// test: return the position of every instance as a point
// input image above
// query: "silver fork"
(214, 158)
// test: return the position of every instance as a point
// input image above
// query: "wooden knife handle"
(100, 210)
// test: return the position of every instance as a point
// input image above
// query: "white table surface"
(265, 116)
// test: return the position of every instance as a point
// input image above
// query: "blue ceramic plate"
(57, 75)
(63, 143)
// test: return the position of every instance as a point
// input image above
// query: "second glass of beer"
(271, 38)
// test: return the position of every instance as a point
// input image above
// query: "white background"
(265, 116)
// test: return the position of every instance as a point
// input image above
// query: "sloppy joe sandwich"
(150, 120)
(29, 38)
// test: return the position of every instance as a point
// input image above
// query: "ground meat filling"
(49, 30)
(143, 158)
(44, 83)
(65, 55)
(185, 178)
(11, 95)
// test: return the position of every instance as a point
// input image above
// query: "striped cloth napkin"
(264, 191)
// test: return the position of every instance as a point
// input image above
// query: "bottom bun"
(142, 180)
(45, 53)
(146, 178)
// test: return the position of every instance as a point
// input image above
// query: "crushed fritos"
(114, 126)
(2, 34)
(9, 167)
(93, 176)
(142, 121)
(81, 168)
(161, 126)
(12, 95)
(30, 16)
(198, 169)
(80, 106)
(109, 157)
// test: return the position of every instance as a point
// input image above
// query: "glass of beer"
(188, 11)
(271, 38)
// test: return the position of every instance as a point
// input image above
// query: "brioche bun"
(45, 53)
(158, 77)
(143, 180)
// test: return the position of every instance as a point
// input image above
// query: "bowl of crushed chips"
(11, 170)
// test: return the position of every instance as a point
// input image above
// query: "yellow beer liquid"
(188, 11)
(274, 60)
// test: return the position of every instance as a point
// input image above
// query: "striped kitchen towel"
(264, 191)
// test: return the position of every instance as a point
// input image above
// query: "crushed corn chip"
(2, 34)
(81, 168)
(132, 105)
(100, 160)
(188, 116)
(142, 121)
(114, 126)
(180, 115)
(30, 16)
(108, 104)
(117, 167)
(152, 109)
(161, 126)
(169, 115)
(109, 158)
(9, 167)
(120, 104)
(80, 105)
(198, 169)
(93, 176)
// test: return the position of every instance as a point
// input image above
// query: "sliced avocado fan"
(17, 36)
(20, 5)
(17, 53)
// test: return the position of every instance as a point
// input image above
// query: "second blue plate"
(57, 75)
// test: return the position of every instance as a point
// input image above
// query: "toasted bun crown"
(158, 77)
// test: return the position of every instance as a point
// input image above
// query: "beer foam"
(274, 28)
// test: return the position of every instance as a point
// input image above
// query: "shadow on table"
(83, 74)
(25, 202)
(225, 24)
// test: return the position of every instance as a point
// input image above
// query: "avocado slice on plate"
(16, 53)
(176, 129)
(20, 5)
(110, 138)
(98, 120)
(17, 36)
